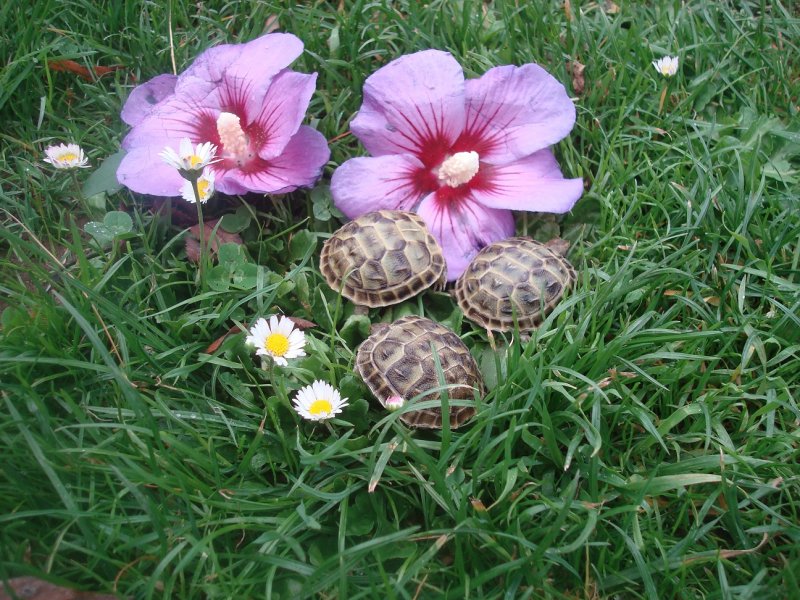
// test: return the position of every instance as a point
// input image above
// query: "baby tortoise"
(517, 279)
(397, 360)
(382, 258)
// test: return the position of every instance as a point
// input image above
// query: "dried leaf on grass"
(271, 24)
(302, 323)
(726, 554)
(33, 588)
(576, 69)
(70, 66)
(220, 237)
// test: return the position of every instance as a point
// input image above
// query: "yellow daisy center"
(202, 187)
(320, 407)
(69, 157)
(195, 160)
(277, 344)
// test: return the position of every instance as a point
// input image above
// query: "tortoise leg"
(361, 310)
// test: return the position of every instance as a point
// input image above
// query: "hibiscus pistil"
(233, 138)
(459, 168)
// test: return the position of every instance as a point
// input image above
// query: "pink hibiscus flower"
(462, 154)
(242, 99)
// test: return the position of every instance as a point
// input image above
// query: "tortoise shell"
(382, 258)
(514, 279)
(396, 360)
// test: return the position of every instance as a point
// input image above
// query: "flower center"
(68, 157)
(459, 168)
(277, 344)
(204, 189)
(320, 407)
(232, 137)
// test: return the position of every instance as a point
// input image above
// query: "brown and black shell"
(514, 280)
(397, 360)
(382, 258)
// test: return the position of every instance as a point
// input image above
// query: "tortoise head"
(558, 245)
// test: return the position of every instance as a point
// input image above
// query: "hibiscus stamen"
(459, 168)
(232, 137)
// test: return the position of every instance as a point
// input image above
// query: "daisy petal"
(533, 183)
(463, 230)
(277, 339)
(415, 99)
(318, 401)
(514, 111)
(366, 183)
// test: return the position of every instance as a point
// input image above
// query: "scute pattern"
(382, 258)
(396, 359)
(518, 277)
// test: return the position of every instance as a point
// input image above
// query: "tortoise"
(382, 258)
(517, 280)
(396, 360)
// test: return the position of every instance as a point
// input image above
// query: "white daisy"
(394, 403)
(66, 156)
(277, 339)
(318, 401)
(190, 160)
(205, 187)
(667, 65)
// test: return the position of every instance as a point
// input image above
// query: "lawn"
(644, 442)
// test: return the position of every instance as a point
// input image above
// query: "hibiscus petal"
(414, 105)
(143, 171)
(166, 124)
(364, 184)
(254, 64)
(464, 228)
(145, 96)
(300, 164)
(533, 183)
(281, 111)
(515, 111)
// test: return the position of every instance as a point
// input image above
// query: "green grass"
(643, 444)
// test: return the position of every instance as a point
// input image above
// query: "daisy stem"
(201, 234)
(661, 101)
(79, 193)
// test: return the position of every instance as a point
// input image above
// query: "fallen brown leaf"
(33, 588)
(70, 66)
(477, 504)
(302, 323)
(214, 346)
(271, 24)
(729, 553)
(220, 237)
(576, 69)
